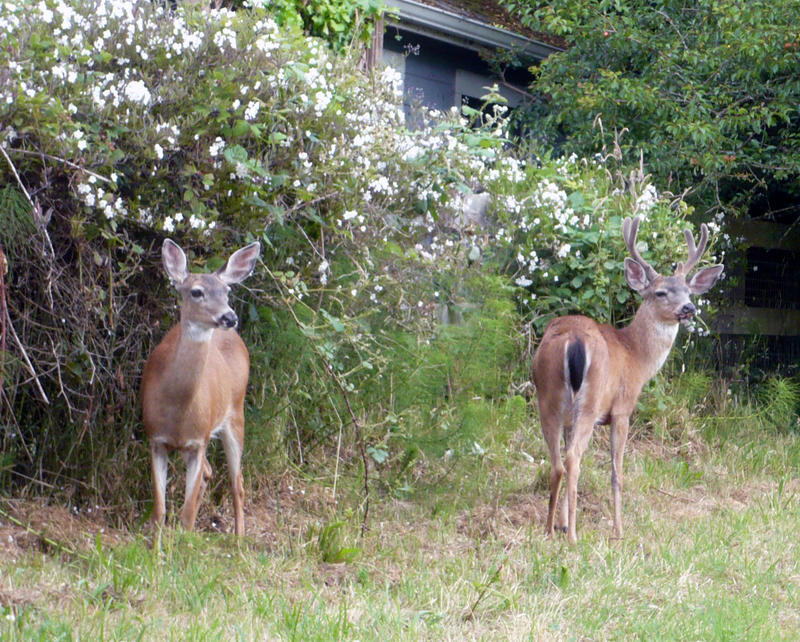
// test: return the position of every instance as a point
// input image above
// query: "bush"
(124, 123)
(564, 221)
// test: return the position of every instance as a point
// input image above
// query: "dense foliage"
(707, 91)
(382, 301)
(340, 22)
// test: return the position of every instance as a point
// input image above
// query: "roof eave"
(461, 30)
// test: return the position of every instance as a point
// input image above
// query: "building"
(441, 49)
(759, 323)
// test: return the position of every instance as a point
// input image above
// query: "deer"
(588, 374)
(194, 383)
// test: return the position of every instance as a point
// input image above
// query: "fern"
(16, 221)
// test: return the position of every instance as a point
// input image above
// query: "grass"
(710, 549)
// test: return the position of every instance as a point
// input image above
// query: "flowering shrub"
(564, 224)
(122, 123)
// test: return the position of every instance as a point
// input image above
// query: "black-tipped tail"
(576, 364)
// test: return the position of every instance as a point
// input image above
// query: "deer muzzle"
(228, 320)
(686, 313)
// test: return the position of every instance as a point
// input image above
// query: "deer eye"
(197, 293)
(661, 293)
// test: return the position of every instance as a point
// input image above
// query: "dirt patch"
(689, 450)
(698, 502)
(35, 525)
(20, 597)
(508, 521)
(291, 512)
(292, 507)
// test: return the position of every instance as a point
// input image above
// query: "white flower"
(168, 224)
(647, 200)
(251, 112)
(216, 147)
(136, 92)
(159, 151)
(47, 14)
(350, 214)
(523, 282)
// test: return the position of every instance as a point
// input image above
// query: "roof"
(482, 23)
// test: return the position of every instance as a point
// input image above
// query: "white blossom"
(137, 92)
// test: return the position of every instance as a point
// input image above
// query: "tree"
(707, 91)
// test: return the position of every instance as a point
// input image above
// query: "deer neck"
(187, 369)
(651, 339)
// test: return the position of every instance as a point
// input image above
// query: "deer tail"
(576, 363)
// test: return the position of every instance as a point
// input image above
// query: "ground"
(706, 542)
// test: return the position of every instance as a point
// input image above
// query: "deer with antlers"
(589, 374)
(194, 382)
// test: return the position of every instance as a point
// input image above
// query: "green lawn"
(710, 553)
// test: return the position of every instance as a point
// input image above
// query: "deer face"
(205, 296)
(205, 302)
(669, 296)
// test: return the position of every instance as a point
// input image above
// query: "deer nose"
(228, 320)
(688, 309)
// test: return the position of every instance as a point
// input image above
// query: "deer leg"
(552, 429)
(619, 435)
(198, 472)
(563, 518)
(233, 443)
(582, 433)
(208, 473)
(160, 463)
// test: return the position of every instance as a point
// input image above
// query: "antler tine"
(630, 228)
(695, 251)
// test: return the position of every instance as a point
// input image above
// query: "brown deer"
(589, 374)
(194, 383)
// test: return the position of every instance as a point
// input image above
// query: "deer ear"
(636, 275)
(174, 261)
(703, 280)
(240, 265)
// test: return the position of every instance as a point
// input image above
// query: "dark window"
(772, 279)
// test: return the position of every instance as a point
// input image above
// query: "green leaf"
(577, 200)
(255, 200)
(338, 326)
(235, 153)
(241, 128)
